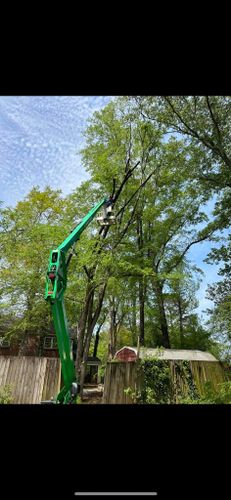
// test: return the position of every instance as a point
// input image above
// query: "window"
(4, 342)
(50, 343)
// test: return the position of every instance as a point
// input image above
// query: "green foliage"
(169, 206)
(222, 395)
(6, 395)
(195, 336)
(220, 293)
(102, 370)
(184, 386)
(132, 394)
(102, 351)
(160, 385)
(28, 232)
(156, 382)
(124, 337)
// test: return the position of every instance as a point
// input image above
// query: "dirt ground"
(92, 395)
(91, 401)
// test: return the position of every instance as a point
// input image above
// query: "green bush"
(102, 370)
(156, 386)
(159, 385)
(184, 385)
(6, 395)
(211, 396)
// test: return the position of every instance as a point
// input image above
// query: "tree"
(154, 210)
(112, 159)
(205, 122)
(181, 303)
(220, 294)
(28, 232)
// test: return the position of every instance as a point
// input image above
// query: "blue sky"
(40, 139)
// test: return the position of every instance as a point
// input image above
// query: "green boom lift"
(56, 282)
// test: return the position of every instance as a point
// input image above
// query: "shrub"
(157, 387)
(6, 395)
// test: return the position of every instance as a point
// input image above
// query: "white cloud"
(40, 137)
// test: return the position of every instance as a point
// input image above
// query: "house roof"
(93, 360)
(171, 354)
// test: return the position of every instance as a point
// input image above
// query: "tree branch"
(213, 119)
(137, 190)
(177, 262)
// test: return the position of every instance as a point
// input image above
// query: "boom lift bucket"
(106, 217)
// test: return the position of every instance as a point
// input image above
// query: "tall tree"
(161, 202)
(220, 294)
(28, 232)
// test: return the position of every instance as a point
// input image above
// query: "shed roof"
(171, 354)
(93, 360)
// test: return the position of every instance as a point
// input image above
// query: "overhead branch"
(181, 256)
(125, 179)
(129, 149)
(137, 190)
(114, 188)
(99, 305)
(87, 272)
(104, 229)
(128, 224)
(213, 119)
(172, 233)
(206, 140)
(221, 150)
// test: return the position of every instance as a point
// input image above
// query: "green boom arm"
(56, 282)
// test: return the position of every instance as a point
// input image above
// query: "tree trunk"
(180, 322)
(22, 345)
(133, 325)
(158, 289)
(89, 296)
(141, 282)
(96, 341)
(97, 337)
(112, 330)
(141, 307)
(91, 322)
(23, 342)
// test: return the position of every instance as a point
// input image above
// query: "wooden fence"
(122, 375)
(31, 379)
(119, 376)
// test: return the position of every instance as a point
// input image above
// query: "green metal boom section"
(56, 282)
